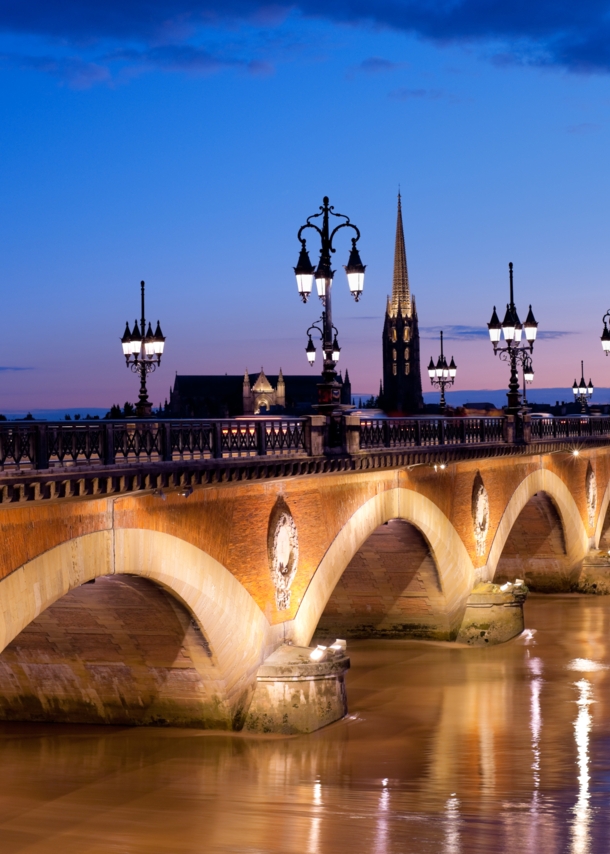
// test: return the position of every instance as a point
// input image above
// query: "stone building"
(401, 390)
(261, 396)
(226, 395)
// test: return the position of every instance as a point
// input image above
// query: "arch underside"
(390, 588)
(118, 650)
(535, 549)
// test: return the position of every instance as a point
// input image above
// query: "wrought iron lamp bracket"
(142, 365)
(521, 355)
(320, 330)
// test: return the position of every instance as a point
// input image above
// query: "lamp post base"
(329, 397)
(143, 410)
(514, 403)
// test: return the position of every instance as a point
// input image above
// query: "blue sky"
(185, 144)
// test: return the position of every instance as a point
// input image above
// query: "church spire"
(401, 294)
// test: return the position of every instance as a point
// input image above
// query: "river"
(445, 749)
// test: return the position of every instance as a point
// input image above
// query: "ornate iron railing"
(569, 427)
(42, 445)
(428, 432)
(39, 445)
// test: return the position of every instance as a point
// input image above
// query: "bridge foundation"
(295, 694)
(594, 576)
(494, 614)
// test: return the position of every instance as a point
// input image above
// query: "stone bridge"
(177, 572)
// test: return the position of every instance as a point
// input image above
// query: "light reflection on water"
(582, 730)
(445, 751)
(452, 826)
(313, 846)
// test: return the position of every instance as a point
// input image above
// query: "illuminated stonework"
(284, 558)
(591, 491)
(480, 514)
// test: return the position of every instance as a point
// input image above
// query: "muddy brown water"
(445, 750)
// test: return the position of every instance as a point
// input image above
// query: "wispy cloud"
(405, 94)
(186, 57)
(105, 68)
(584, 128)
(375, 65)
(554, 333)
(474, 333)
(454, 333)
(77, 72)
(14, 368)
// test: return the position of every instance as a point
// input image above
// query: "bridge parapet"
(568, 427)
(49, 460)
(427, 432)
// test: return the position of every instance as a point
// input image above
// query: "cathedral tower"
(401, 373)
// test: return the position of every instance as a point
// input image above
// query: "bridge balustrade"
(39, 445)
(429, 432)
(42, 445)
(569, 427)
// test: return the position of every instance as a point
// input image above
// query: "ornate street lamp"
(512, 329)
(442, 374)
(143, 350)
(582, 391)
(329, 390)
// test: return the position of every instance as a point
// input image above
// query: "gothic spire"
(401, 294)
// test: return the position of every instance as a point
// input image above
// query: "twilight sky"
(185, 142)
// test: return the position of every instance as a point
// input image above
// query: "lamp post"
(512, 329)
(329, 390)
(143, 350)
(582, 391)
(528, 376)
(442, 374)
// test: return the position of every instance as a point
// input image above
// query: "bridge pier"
(494, 614)
(295, 694)
(594, 575)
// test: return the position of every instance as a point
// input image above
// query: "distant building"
(483, 410)
(401, 391)
(223, 396)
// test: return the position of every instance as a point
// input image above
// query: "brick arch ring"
(453, 563)
(575, 534)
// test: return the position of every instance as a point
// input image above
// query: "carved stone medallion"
(284, 557)
(480, 514)
(591, 491)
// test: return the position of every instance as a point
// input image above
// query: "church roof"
(262, 384)
(401, 293)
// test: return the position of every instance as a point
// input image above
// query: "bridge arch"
(233, 625)
(453, 563)
(575, 534)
